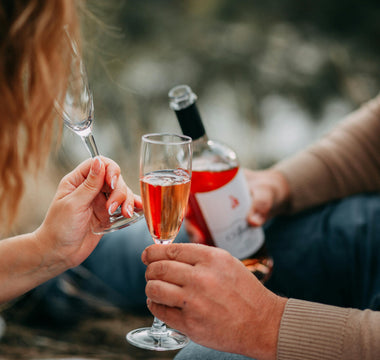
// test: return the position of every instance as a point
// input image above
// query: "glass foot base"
(169, 340)
(117, 223)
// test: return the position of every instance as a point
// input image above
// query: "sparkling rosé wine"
(165, 194)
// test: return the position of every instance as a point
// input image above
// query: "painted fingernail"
(113, 182)
(129, 210)
(96, 165)
(112, 208)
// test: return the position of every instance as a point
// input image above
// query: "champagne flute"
(165, 177)
(78, 115)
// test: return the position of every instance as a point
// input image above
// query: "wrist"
(281, 190)
(26, 262)
(267, 337)
(52, 259)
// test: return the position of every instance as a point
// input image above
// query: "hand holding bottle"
(270, 193)
(219, 196)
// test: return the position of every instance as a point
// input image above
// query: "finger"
(186, 253)
(92, 184)
(118, 196)
(171, 316)
(261, 205)
(100, 210)
(165, 293)
(128, 205)
(138, 202)
(73, 179)
(112, 172)
(170, 271)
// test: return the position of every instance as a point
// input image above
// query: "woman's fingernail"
(112, 208)
(96, 165)
(130, 210)
(256, 218)
(113, 182)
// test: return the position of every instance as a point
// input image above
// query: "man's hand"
(211, 297)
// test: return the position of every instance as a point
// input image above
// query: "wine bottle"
(219, 196)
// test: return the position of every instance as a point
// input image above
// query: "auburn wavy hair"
(34, 68)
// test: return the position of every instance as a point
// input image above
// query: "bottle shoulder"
(212, 154)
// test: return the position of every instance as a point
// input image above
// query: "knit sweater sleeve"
(344, 162)
(322, 332)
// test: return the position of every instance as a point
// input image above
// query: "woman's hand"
(210, 296)
(80, 203)
(270, 195)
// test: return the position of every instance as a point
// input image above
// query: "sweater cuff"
(311, 331)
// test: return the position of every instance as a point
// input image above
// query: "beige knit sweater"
(345, 162)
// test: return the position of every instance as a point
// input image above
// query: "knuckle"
(173, 251)
(89, 186)
(156, 270)
(153, 290)
(196, 277)
(119, 193)
(216, 255)
(224, 254)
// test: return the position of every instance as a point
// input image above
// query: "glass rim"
(153, 138)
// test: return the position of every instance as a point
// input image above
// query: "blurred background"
(271, 77)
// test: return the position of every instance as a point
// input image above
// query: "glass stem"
(158, 328)
(91, 145)
(93, 149)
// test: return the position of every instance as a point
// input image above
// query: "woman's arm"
(65, 238)
(26, 263)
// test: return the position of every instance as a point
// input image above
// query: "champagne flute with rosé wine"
(165, 178)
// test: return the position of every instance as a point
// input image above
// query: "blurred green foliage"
(307, 52)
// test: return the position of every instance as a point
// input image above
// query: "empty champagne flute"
(165, 178)
(77, 112)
